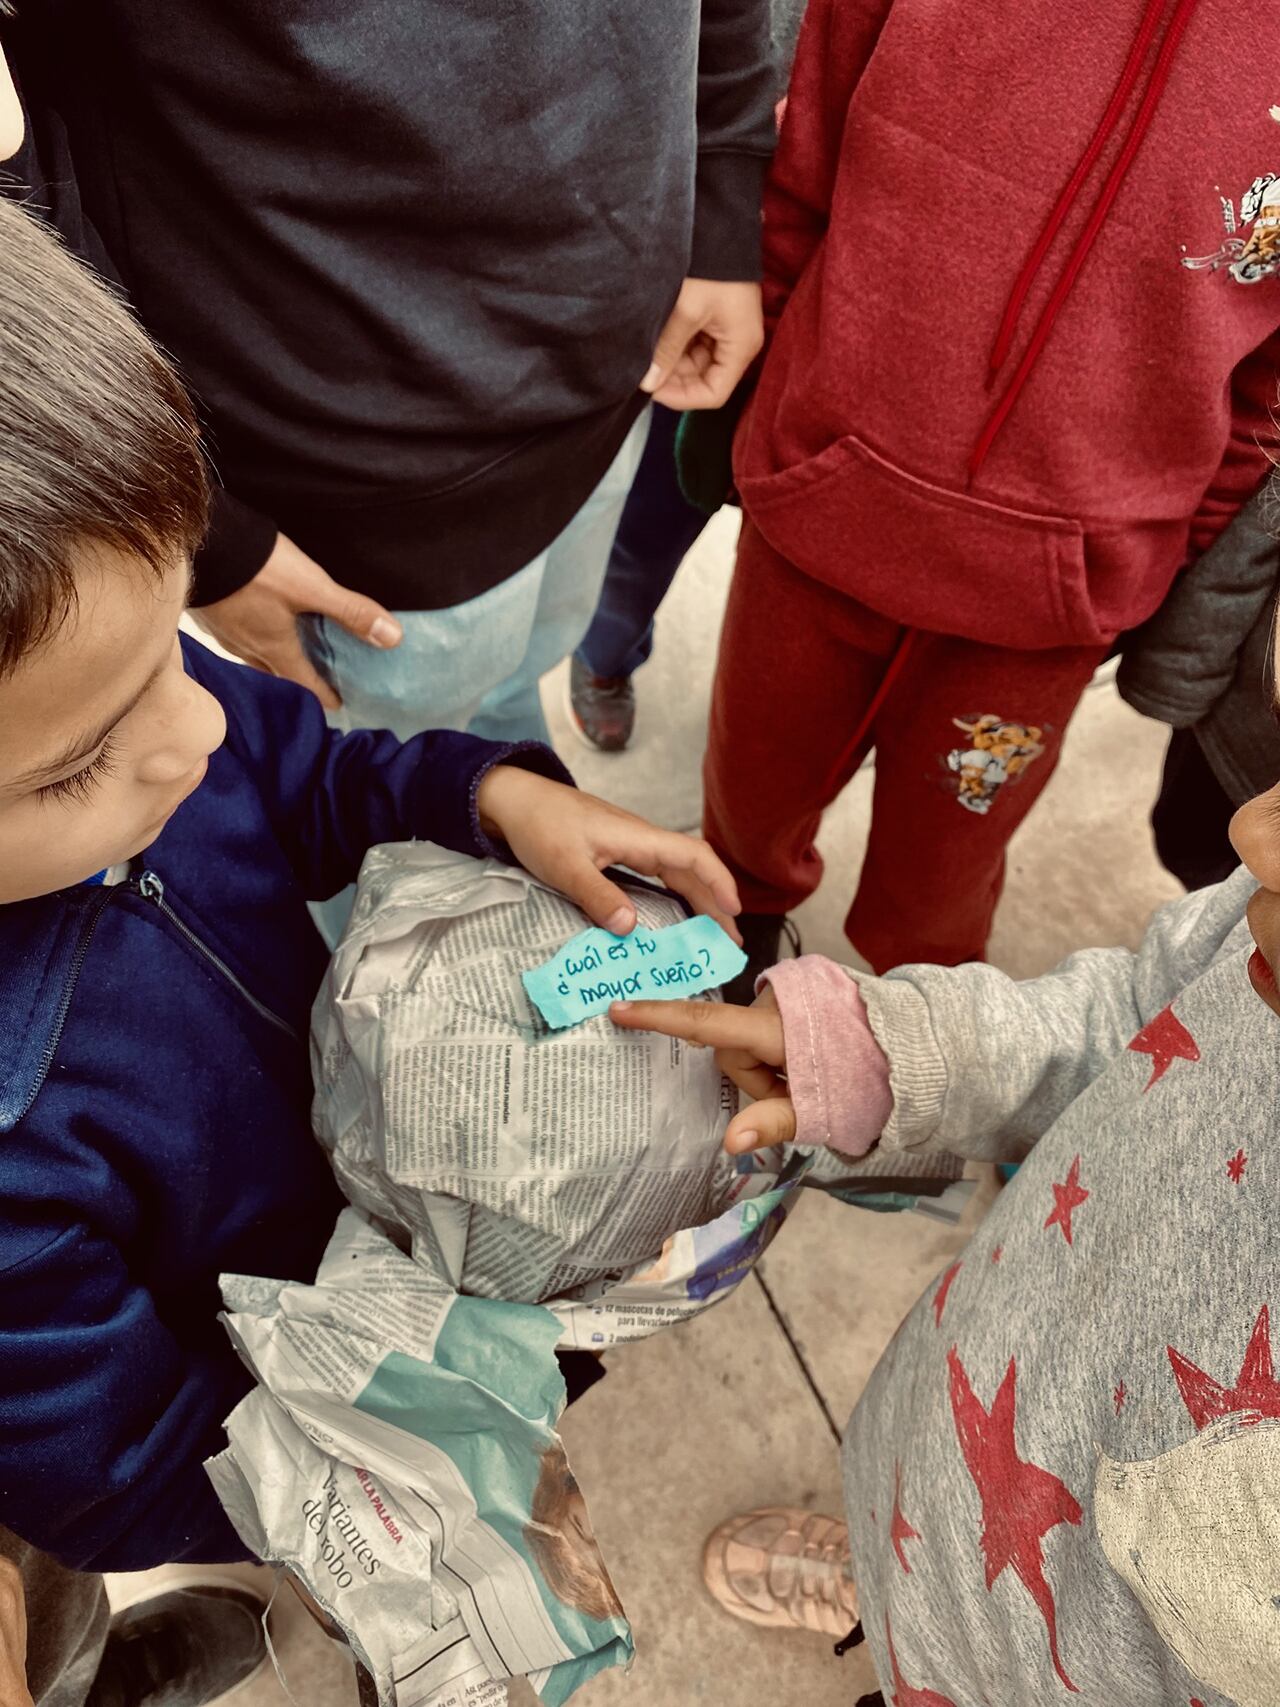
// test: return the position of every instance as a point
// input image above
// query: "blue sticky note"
(597, 968)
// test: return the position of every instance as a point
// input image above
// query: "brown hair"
(580, 1582)
(98, 440)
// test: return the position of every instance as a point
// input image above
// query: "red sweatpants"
(965, 736)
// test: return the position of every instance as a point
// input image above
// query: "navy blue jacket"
(155, 1113)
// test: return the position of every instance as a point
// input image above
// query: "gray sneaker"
(187, 1648)
(602, 708)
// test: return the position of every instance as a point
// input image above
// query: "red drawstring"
(894, 670)
(1025, 279)
(1137, 132)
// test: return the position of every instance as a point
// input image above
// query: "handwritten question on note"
(597, 968)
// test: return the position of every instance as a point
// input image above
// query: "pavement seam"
(798, 1355)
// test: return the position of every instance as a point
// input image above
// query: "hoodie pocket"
(926, 556)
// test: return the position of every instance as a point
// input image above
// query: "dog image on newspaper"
(563, 1543)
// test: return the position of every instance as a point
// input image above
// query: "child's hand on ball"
(750, 1050)
(566, 838)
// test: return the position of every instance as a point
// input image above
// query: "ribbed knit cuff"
(901, 1024)
(238, 543)
(836, 1071)
(526, 756)
(727, 224)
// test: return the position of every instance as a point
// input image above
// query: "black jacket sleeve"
(238, 543)
(737, 86)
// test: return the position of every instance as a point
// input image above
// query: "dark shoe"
(603, 708)
(581, 1371)
(762, 935)
(187, 1648)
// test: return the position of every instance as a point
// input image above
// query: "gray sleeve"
(982, 1065)
(787, 16)
(1239, 736)
(1178, 665)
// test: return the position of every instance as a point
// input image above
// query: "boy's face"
(1255, 835)
(102, 734)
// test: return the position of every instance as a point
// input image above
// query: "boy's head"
(103, 498)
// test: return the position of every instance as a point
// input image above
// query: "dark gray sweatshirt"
(413, 255)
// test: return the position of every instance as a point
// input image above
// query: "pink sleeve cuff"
(838, 1073)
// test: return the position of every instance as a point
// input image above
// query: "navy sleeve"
(332, 797)
(106, 1419)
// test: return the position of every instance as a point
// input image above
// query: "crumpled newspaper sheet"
(515, 1189)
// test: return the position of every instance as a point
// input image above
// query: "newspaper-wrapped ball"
(522, 1163)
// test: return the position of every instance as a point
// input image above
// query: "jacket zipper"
(150, 887)
(64, 1006)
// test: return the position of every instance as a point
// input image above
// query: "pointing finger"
(710, 1025)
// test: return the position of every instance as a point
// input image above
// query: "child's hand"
(566, 837)
(750, 1050)
(13, 1635)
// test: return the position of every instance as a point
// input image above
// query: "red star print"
(1021, 1503)
(1166, 1040)
(940, 1296)
(1067, 1198)
(899, 1529)
(997, 1253)
(903, 1694)
(1236, 1166)
(1120, 1395)
(1256, 1392)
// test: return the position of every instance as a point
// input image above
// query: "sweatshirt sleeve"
(1180, 663)
(981, 1065)
(837, 39)
(238, 543)
(837, 1074)
(735, 137)
(332, 797)
(104, 1435)
(1255, 389)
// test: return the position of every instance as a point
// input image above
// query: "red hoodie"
(1023, 281)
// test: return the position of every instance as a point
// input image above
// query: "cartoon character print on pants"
(998, 751)
(1195, 1532)
(1250, 252)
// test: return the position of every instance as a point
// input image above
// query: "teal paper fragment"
(597, 968)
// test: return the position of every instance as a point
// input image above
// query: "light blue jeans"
(476, 666)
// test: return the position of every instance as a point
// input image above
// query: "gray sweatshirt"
(1063, 1480)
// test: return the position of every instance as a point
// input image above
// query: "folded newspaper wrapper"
(515, 1189)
